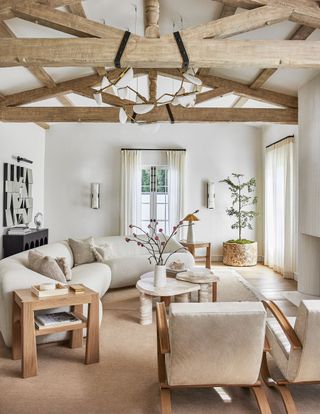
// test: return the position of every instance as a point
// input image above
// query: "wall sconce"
(211, 196)
(95, 195)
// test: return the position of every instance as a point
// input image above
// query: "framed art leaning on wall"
(17, 195)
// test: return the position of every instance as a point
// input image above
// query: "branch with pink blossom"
(155, 241)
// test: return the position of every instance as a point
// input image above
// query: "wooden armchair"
(210, 345)
(294, 345)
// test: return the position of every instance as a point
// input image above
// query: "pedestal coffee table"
(179, 289)
(204, 281)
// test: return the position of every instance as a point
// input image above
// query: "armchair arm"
(162, 329)
(284, 324)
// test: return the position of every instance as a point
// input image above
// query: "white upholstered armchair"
(294, 345)
(211, 344)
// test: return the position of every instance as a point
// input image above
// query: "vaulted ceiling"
(24, 83)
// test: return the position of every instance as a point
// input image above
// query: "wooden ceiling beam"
(239, 88)
(66, 22)
(39, 94)
(215, 93)
(7, 5)
(239, 23)
(302, 33)
(159, 53)
(107, 98)
(85, 114)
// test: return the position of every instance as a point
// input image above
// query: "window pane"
(162, 181)
(145, 213)
(145, 198)
(145, 180)
(144, 225)
(162, 198)
(161, 212)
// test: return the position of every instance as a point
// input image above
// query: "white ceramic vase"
(160, 276)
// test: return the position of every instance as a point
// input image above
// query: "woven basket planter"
(235, 254)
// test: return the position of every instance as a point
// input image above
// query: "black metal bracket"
(170, 113)
(123, 44)
(21, 159)
(182, 50)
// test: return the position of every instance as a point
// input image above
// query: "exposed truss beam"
(7, 5)
(106, 97)
(159, 53)
(39, 94)
(215, 93)
(305, 12)
(302, 33)
(239, 23)
(85, 114)
(65, 22)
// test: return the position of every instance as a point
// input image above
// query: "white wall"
(26, 140)
(78, 154)
(309, 188)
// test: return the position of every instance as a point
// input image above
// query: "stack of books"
(50, 320)
(19, 230)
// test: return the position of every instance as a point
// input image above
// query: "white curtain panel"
(130, 208)
(176, 161)
(279, 208)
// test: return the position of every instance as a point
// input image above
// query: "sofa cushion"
(95, 276)
(45, 265)
(64, 266)
(103, 252)
(82, 251)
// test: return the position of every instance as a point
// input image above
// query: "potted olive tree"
(241, 252)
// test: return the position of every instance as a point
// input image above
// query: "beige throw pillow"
(46, 266)
(103, 253)
(64, 266)
(82, 251)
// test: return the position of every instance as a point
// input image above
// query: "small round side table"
(204, 281)
(180, 290)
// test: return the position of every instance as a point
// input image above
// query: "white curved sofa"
(123, 269)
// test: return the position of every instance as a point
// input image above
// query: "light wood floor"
(271, 284)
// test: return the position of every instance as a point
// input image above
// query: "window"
(154, 198)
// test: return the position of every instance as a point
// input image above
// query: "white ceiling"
(174, 15)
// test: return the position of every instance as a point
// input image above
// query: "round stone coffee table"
(204, 281)
(179, 289)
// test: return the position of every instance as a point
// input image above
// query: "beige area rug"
(125, 380)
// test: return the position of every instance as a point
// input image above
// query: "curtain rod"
(153, 149)
(282, 139)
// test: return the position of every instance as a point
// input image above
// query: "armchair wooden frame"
(281, 384)
(163, 346)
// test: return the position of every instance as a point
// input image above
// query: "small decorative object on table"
(191, 218)
(49, 289)
(205, 278)
(175, 267)
(155, 242)
(38, 220)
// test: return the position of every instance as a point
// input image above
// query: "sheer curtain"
(130, 207)
(279, 208)
(176, 161)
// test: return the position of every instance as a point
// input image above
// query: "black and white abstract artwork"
(17, 195)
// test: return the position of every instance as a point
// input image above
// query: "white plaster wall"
(309, 188)
(78, 154)
(26, 140)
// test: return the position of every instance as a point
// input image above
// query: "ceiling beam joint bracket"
(182, 50)
(123, 44)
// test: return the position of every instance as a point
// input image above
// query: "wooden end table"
(24, 332)
(198, 245)
(180, 290)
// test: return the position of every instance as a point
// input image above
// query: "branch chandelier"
(121, 87)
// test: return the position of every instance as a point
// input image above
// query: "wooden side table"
(24, 332)
(198, 245)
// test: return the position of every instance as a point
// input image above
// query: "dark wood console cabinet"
(16, 243)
